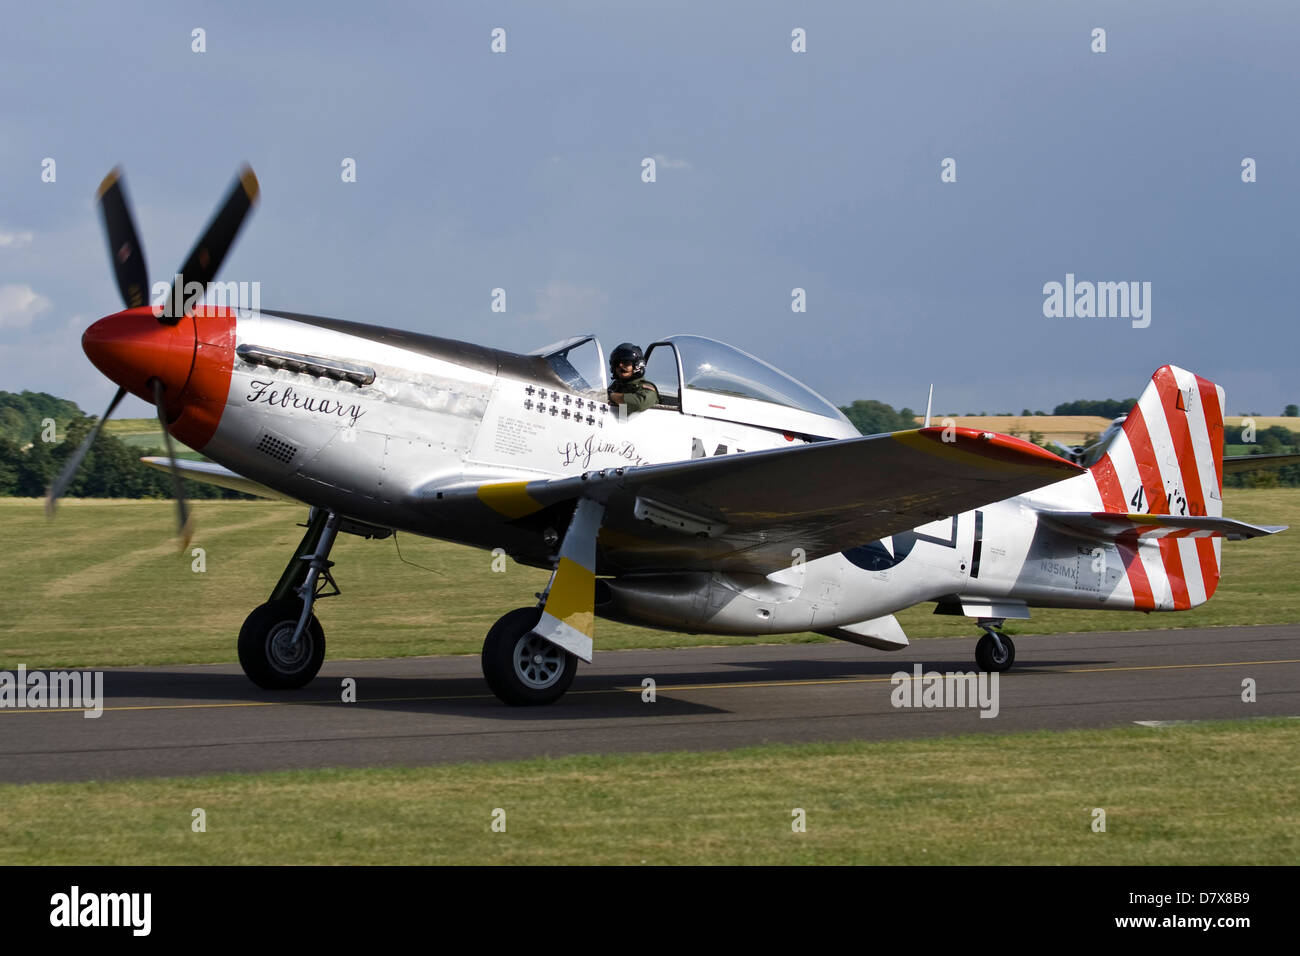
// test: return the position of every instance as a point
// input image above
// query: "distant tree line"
(875, 418)
(1105, 408)
(21, 413)
(112, 469)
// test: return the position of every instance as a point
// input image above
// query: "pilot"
(629, 387)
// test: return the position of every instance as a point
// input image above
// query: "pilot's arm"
(635, 396)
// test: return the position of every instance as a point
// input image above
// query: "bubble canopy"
(713, 366)
(722, 381)
(701, 376)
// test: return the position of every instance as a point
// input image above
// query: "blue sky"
(776, 170)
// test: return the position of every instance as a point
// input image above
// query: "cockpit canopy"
(701, 376)
(579, 363)
(715, 380)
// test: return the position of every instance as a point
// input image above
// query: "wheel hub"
(283, 653)
(538, 662)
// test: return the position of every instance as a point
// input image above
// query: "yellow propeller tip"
(109, 181)
(248, 179)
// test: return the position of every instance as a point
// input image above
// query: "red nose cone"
(133, 347)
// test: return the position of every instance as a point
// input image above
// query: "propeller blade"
(184, 529)
(70, 467)
(123, 244)
(205, 258)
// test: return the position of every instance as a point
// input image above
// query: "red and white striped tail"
(1168, 459)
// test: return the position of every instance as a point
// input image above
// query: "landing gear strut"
(282, 645)
(531, 654)
(995, 651)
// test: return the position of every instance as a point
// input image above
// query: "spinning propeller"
(123, 341)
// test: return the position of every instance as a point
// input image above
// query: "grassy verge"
(1193, 794)
(104, 585)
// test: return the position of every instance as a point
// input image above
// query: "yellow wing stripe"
(508, 498)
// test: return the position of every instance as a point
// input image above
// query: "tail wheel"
(521, 668)
(268, 653)
(989, 657)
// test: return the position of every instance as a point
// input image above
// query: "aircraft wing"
(213, 474)
(749, 511)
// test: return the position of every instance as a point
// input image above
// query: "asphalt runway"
(167, 721)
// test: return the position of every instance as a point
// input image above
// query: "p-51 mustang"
(741, 503)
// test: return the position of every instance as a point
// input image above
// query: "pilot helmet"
(627, 352)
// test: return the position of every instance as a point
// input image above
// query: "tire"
(266, 660)
(511, 666)
(987, 657)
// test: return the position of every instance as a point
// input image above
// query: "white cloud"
(19, 304)
(666, 163)
(569, 305)
(13, 240)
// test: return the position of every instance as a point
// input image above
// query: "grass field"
(1194, 794)
(104, 585)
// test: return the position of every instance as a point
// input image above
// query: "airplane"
(741, 503)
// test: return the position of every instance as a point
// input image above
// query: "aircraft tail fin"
(1168, 460)
(1168, 457)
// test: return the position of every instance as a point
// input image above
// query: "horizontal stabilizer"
(1104, 524)
(209, 472)
(1239, 463)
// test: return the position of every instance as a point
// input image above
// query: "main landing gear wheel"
(521, 668)
(267, 652)
(990, 657)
